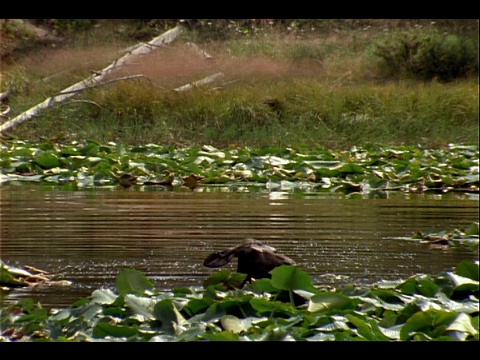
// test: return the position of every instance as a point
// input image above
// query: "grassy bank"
(279, 88)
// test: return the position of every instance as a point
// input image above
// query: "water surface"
(87, 236)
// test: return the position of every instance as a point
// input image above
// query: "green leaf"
(289, 277)
(196, 306)
(222, 336)
(263, 286)
(47, 159)
(468, 269)
(234, 324)
(104, 296)
(472, 229)
(104, 329)
(213, 313)
(463, 283)
(367, 328)
(264, 306)
(327, 301)
(332, 323)
(463, 323)
(276, 334)
(140, 305)
(91, 148)
(166, 311)
(88, 311)
(430, 322)
(225, 278)
(350, 168)
(317, 164)
(133, 281)
(420, 284)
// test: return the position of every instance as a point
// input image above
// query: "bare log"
(141, 49)
(4, 110)
(204, 81)
(102, 84)
(199, 51)
(225, 84)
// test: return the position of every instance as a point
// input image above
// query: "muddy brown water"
(87, 236)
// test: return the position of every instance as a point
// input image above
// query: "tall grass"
(294, 112)
(277, 90)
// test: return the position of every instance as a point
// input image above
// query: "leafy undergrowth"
(364, 170)
(286, 307)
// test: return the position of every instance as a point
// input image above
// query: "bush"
(426, 56)
(72, 25)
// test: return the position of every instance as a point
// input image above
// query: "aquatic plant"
(367, 169)
(422, 307)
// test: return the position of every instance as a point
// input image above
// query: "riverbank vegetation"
(332, 83)
(371, 170)
(364, 107)
(424, 307)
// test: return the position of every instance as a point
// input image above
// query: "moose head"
(254, 259)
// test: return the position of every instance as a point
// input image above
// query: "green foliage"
(291, 278)
(326, 90)
(225, 279)
(131, 281)
(72, 25)
(368, 170)
(14, 28)
(428, 55)
(393, 114)
(466, 268)
(383, 312)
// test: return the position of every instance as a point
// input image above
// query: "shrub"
(72, 25)
(429, 55)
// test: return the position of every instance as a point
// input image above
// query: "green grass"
(280, 113)
(279, 89)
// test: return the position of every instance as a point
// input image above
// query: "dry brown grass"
(179, 64)
(317, 84)
(48, 62)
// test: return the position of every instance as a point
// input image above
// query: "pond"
(86, 236)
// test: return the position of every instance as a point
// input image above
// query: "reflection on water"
(86, 236)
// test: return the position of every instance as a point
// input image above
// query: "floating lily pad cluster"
(456, 237)
(375, 168)
(423, 307)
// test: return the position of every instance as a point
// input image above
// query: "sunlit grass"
(276, 90)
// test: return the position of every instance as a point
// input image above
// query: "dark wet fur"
(254, 259)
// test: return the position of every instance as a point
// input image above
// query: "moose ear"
(218, 259)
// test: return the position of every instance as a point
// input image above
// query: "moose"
(255, 259)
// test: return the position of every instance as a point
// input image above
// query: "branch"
(199, 51)
(102, 84)
(204, 81)
(4, 110)
(95, 79)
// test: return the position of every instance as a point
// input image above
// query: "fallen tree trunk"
(140, 49)
(204, 81)
(199, 51)
(65, 92)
